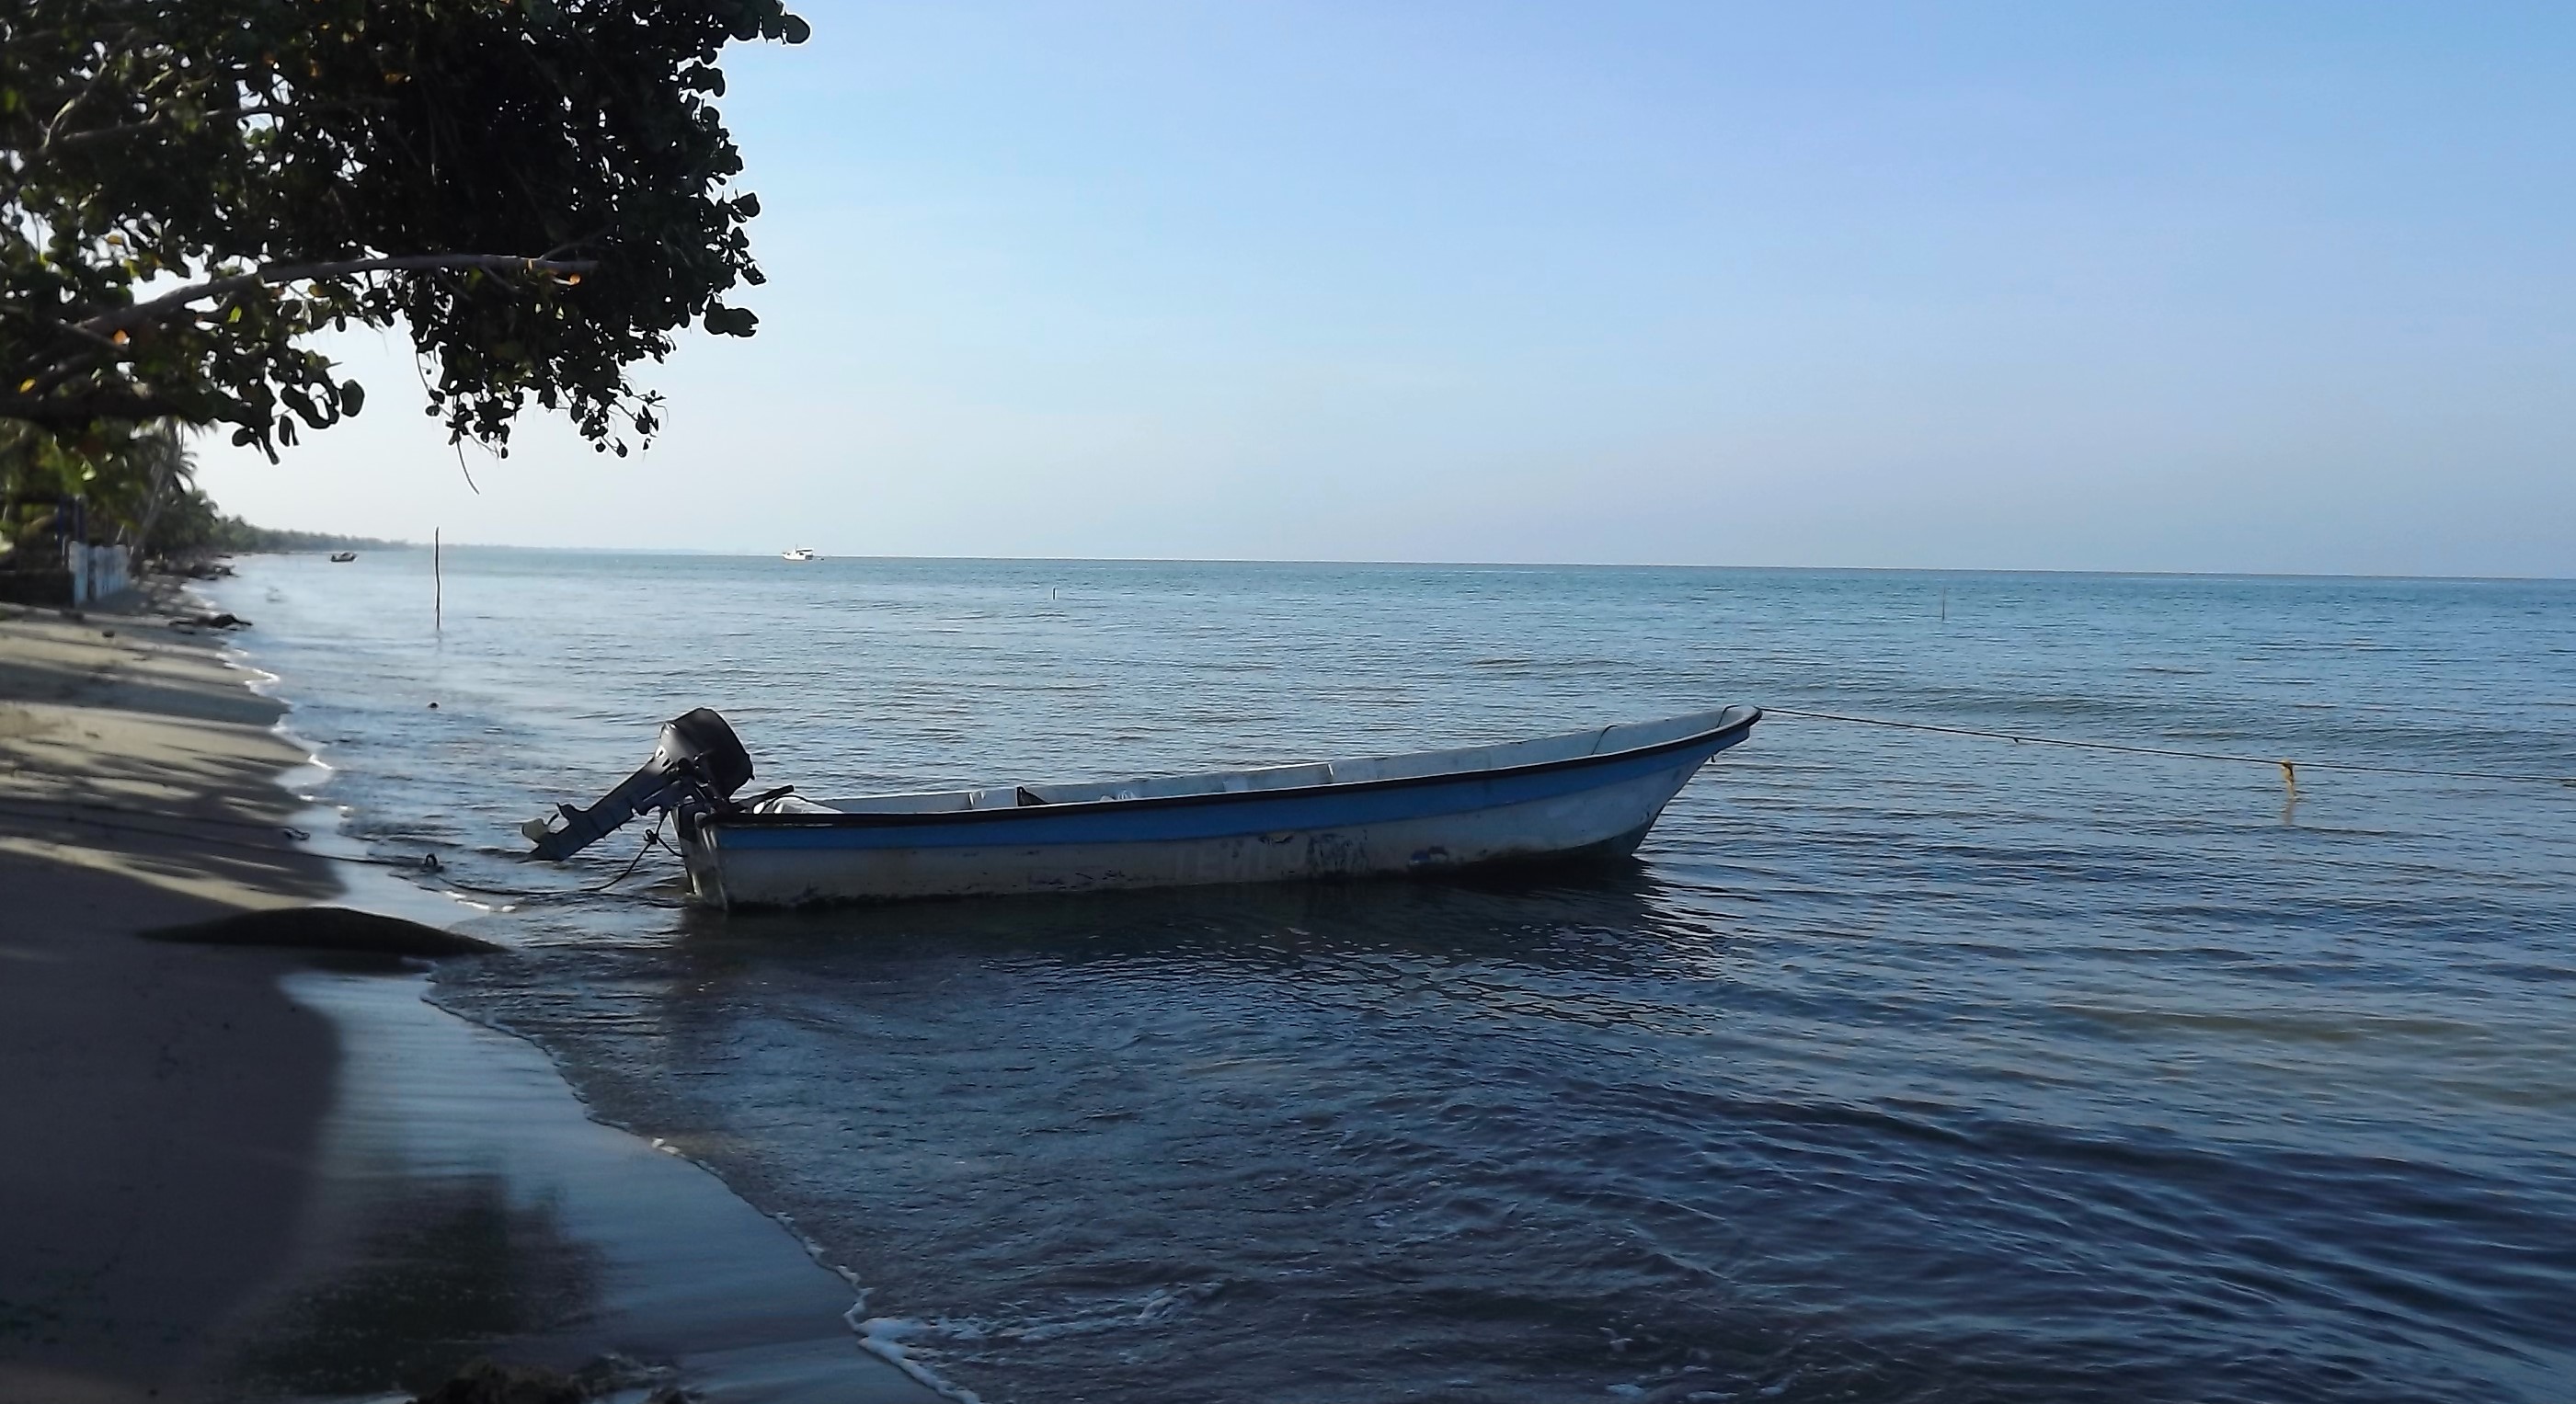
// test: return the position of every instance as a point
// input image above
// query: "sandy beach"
(248, 1173)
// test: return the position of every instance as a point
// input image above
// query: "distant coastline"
(236, 537)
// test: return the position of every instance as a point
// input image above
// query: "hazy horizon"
(2194, 291)
(399, 544)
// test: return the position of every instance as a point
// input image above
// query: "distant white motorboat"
(1591, 794)
(801, 553)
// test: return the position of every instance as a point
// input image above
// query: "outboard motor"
(697, 757)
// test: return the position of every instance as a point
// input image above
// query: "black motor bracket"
(697, 757)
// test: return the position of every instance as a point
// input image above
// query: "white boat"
(800, 553)
(1584, 795)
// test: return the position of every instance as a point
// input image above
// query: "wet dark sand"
(467, 1204)
(166, 1105)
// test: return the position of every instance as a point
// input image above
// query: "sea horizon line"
(2111, 572)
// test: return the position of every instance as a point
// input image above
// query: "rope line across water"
(2287, 767)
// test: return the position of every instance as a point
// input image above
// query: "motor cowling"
(697, 756)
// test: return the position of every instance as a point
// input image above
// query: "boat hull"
(1591, 807)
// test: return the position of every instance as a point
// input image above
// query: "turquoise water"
(1900, 1067)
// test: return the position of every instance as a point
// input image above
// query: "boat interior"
(1599, 741)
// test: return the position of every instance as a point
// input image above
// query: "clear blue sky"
(2279, 287)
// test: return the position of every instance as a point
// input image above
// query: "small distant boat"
(343, 557)
(801, 553)
(1585, 795)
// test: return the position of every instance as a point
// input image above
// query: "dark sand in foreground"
(242, 1173)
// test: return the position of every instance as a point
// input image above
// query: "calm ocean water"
(1900, 1067)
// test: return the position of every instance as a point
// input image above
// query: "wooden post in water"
(437, 588)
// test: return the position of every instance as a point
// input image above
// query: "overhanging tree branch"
(163, 122)
(300, 165)
(78, 411)
(170, 303)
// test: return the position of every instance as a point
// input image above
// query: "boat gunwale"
(907, 818)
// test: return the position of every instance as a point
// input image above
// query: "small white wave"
(884, 1337)
(894, 1337)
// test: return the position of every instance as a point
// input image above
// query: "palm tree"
(124, 479)
(160, 461)
(28, 487)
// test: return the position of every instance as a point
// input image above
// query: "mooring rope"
(2289, 768)
(652, 840)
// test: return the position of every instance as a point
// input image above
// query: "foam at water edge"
(883, 1337)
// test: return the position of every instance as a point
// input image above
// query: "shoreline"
(256, 1173)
